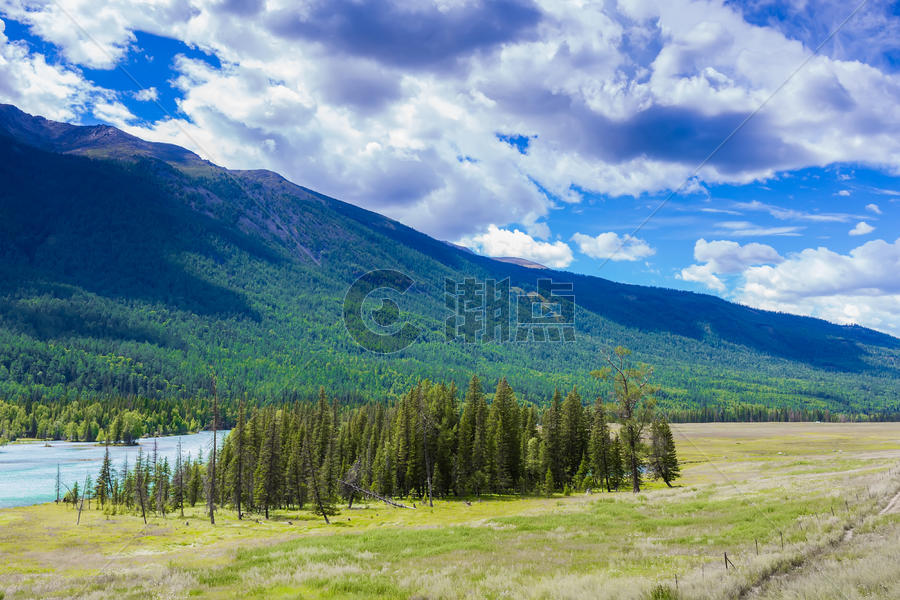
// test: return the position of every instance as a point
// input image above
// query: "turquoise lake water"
(28, 470)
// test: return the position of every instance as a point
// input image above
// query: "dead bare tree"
(87, 483)
(424, 425)
(366, 492)
(139, 483)
(212, 461)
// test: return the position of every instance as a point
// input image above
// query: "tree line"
(429, 444)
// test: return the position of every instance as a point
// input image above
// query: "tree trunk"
(212, 462)
(635, 470)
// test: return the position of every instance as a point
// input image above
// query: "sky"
(745, 149)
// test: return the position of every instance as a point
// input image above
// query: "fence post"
(757, 547)
(782, 539)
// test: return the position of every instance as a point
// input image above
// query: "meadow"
(802, 510)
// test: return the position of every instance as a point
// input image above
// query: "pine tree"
(266, 476)
(663, 460)
(599, 447)
(616, 468)
(140, 489)
(504, 438)
(466, 439)
(294, 477)
(572, 435)
(553, 438)
(549, 484)
(480, 449)
(238, 461)
(195, 484)
(178, 482)
(104, 479)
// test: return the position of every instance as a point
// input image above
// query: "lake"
(28, 470)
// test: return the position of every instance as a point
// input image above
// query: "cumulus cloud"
(873, 208)
(147, 94)
(724, 257)
(860, 287)
(611, 246)
(395, 105)
(862, 228)
(518, 244)
(406, 34)
(702, 274)
(36, 86)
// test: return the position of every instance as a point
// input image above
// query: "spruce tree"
(266, 476)
(616, 467)
(553, 438)
(663, 460)
(238, 461)
(104, 479)
(599, 447)
(549, 484)
(504, 438)
(178, 482)
(572, 435)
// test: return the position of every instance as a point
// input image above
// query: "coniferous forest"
(435, 442)
(119, 293)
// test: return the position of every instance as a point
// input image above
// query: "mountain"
(129, 267)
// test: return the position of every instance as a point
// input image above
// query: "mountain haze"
(127, 267)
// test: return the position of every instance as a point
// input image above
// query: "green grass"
(742, 486)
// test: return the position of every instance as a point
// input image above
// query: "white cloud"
(604, 114)
(790, 214)
(611, 246)
(723, 257)
(862, 228)
(860, 287)
(730, 257)
(518, 244)
(29, 82)
(844, 193)
(149, 94)
(873, 208)
(748, 229)
(702, 274)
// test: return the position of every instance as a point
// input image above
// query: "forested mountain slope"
(128, 268)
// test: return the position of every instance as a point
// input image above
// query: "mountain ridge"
(231, 243)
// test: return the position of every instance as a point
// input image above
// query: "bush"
(663, 592)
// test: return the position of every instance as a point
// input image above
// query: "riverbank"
(28, 470)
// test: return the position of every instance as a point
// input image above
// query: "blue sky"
(532, 128)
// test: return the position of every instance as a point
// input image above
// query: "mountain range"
(134, 268)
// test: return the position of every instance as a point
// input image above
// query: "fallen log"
(374, 495)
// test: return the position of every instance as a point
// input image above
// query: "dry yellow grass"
(743, 484)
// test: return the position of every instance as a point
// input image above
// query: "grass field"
(815, 499)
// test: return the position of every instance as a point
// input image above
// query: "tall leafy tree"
(636, 405)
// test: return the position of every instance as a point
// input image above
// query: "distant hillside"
(126, 267)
